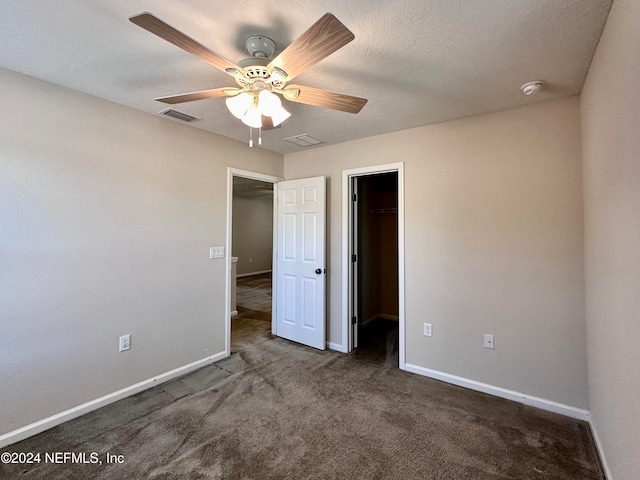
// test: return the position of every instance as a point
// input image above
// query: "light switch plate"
(216, 252)
(428, 330)
(124, 343)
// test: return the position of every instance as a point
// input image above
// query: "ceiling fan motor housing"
(260, 46)
(256, 68)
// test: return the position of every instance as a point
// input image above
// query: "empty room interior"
(320, 239)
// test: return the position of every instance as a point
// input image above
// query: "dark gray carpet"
(278, 410)
(378, 342)
(254, 293)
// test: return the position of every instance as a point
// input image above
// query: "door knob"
(318, 271)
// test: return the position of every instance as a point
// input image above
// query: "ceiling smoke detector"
(530, 88)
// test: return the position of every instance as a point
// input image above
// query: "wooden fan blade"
(319, 41)
(190, 97)
(167, 32)
(322, 98)
(267, 123)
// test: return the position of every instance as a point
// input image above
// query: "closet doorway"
(375, 286)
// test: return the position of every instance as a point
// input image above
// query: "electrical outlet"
(488, 341)
(125, 343)
(428, 330)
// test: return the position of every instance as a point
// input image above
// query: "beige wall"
(494, 244)
(106, 219)
(253, 233)
(610, 106)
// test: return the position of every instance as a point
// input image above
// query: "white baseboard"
(383, 316)
(549, 405)
(336, 346)
(234, 313)
(368, 321)
(54, 420)
(251, 274)
(599, 447)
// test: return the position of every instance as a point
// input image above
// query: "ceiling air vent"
(185, 117)
(303, 140)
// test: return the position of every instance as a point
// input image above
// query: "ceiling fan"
(259, 77)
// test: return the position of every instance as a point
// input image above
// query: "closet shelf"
(384, 211)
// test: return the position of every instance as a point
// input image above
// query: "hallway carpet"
(253, 322)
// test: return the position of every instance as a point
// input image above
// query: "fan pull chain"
(260, 136)
(250, 137)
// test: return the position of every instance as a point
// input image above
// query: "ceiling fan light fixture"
(253, 118)
(270, 105)
(279, 116)
(239, 105)
(268, 102)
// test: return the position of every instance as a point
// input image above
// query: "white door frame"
(347, 244)
(353, 266)
(236, 172)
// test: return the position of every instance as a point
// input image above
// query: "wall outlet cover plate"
(489, 341)
(124, 343)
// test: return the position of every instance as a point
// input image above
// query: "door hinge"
(353, 258)
(355, 197)
(354, 320)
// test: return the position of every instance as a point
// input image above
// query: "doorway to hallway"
(250, 234)
(252, 324)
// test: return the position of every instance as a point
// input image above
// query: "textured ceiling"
(417, 61)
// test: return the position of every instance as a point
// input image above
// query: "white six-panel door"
(300, 269)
